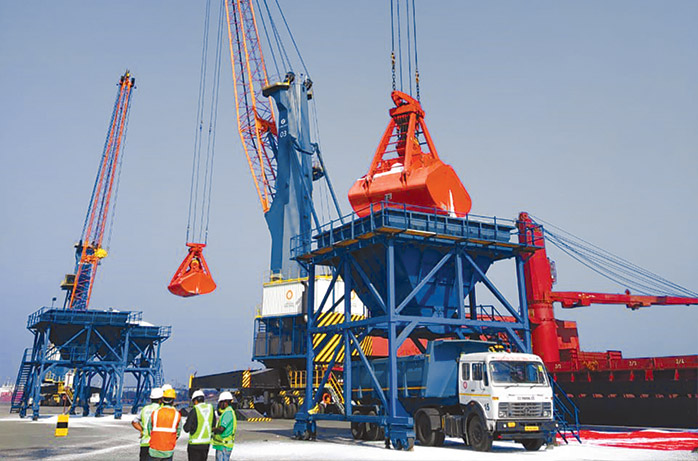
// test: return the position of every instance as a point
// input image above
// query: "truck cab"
(505, 396)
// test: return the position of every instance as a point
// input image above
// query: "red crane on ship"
(540, 295)
(90, 251)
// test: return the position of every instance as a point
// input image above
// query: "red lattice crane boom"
(256, 123)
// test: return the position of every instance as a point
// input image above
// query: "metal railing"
(566, 413)
(425, 222)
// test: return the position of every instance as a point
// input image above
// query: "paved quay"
(106, 439)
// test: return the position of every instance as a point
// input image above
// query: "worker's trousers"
(223, 454)
(197, 452)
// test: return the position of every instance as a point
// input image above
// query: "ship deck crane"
(539, 277)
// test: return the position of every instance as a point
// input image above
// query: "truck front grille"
(524, 409)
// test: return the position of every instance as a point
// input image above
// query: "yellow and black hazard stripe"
(335, 318)
(246, 378)
(258, 420)
(62, 425)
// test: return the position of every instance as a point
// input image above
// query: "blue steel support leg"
(118, 408)
(346, 339)
(399, 425)
(392, 350)
(523, 302)
(305, 426)
(40, 371)
(459, 287)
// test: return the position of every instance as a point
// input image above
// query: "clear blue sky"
(583, 113)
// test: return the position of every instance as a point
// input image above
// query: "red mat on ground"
(647, 439)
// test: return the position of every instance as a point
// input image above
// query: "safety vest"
(146, 412)
(163, 435)
(204, 421)
(227, 437)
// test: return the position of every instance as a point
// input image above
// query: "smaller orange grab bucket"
(192, 277)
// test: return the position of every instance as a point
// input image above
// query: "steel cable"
(611, 266)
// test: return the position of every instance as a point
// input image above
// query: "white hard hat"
(197, 394)
(156, 393)
(165, 387)
(225, 395)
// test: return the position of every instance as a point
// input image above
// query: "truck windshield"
(515, 372)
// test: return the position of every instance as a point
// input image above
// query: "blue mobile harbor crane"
(99, 346)
(272, 104)
(392, 271)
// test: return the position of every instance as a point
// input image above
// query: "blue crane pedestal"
(95, 344)
(416, 272)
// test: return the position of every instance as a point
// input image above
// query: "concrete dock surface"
(106, 438)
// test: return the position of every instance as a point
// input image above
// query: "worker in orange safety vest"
(164, 426)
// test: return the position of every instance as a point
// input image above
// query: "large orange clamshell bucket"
(406, 169)
(193, 276)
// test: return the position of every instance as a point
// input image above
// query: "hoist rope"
(118, 175)
(611, 266)
(293, 40)
(266, 34)
(392, 41)
(409, 46)
(101, 165)
(283, 55)
(213, 120)
(202, 175)
(194, 186)
(416, 62)
(399, 44)
(396, 26)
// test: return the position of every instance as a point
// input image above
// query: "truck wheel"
(290, 411)
(404, 444)
(533, 444)
(276, 411)
(479, 438)
(439, 439)
(358, 429)
(422, 427)
(372, 430)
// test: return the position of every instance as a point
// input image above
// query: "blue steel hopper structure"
(416, 271)
(102, 344)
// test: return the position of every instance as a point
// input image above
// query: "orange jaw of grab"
(193, 276)
(406, 168)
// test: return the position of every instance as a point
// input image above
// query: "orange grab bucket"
(192, 277)
(407, 170)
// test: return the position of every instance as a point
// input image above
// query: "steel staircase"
(566, 413)
(25, 370)
(336, 392)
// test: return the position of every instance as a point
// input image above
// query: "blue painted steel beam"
(345, 334)
(335, 275)
(523, 302)
(368, 282)
(500, 297)
(369, 368)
